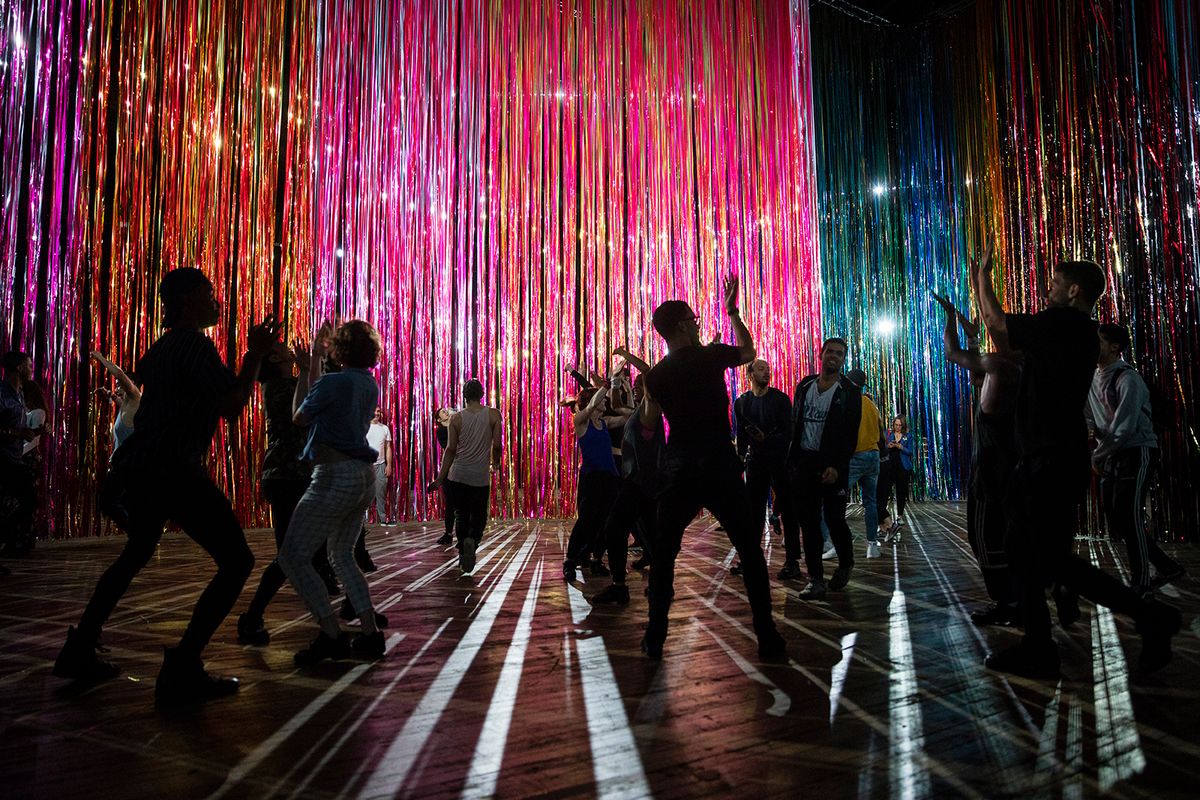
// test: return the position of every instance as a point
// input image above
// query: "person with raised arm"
(701, 468)
(1053, 468)
(337, 409)
(127, 397)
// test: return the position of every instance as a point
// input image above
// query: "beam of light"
(388, 776)
(489, 750)
(907, 770)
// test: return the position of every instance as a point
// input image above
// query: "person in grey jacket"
(1126, 457)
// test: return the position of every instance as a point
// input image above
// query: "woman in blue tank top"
(598, 480)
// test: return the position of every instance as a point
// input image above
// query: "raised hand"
(304, 354)
(731, 293)
(985, 263)
(945, 303)
(264, 335)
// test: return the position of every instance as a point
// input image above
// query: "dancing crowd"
(1056, 401)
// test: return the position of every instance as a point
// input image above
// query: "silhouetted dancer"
(158, 474)
(993, 457)
(1050, 480)
(701, 468)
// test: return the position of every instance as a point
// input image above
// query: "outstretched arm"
(624, 353)
(126, 383)
(955, 354)
(989, 304)
(582, 415)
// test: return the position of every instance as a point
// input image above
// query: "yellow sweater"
(868, 429)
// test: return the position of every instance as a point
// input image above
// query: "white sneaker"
(831, 553)
(873, 550)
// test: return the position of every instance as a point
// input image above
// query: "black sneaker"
(617, 593)
(641, 564)
(775, 526)
(183, 681)
(839, 579)
(368, 645)
(445, 540)
(466, 555)
(995, 614)
(348, 613)
(78, 661)
(597, 568)
(1039, 662)
(568, 571)
(361, 556)
(322, 648)
(652, 646)
(736, 569)
(772, 647)
(1157, 625)
(790, 571)
(1163, 578)
(251, 631)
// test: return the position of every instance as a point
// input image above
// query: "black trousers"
(987, 519)
(20, 490)
(1044, 497)
(449, 509)
(883, 491)
(149, 499)
(595, 496)
(631, 509)
(815, 500)
(764, 476)
(283, 495)
(901, 478)
(1123, 490)
(470, 504)
(710, 479)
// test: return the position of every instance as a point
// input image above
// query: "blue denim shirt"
(341, 405)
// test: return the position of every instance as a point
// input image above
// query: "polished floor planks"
(579, 712)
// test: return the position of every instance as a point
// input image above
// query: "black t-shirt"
(182, 377)
(1060, 347)
(689, 384)
(771, 414)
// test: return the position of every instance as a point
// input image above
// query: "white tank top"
(472, 460)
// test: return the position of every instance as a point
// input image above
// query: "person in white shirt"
(379, 437)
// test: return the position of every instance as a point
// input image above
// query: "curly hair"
(356, 345)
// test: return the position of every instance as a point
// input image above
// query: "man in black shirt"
(827, 412)
(158, 474)
(701, 467)
(1053, 466)
(763, 420)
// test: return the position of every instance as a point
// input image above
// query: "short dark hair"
(14, 359)
(1087, 275)
(356, 345)
(835, 340)
(175, 287)
(1115, 334)
(669, 314)
(472, 390)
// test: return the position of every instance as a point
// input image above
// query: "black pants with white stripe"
(1123, 490)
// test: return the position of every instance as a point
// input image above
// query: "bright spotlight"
(878, 189)
(885, 326)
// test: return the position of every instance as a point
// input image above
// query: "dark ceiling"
(903, 13)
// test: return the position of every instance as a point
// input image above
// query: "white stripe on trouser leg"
(1142, 579)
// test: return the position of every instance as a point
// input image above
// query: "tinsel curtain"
(1058, 130)
(505, 189)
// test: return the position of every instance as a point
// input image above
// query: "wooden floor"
(510, 684)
